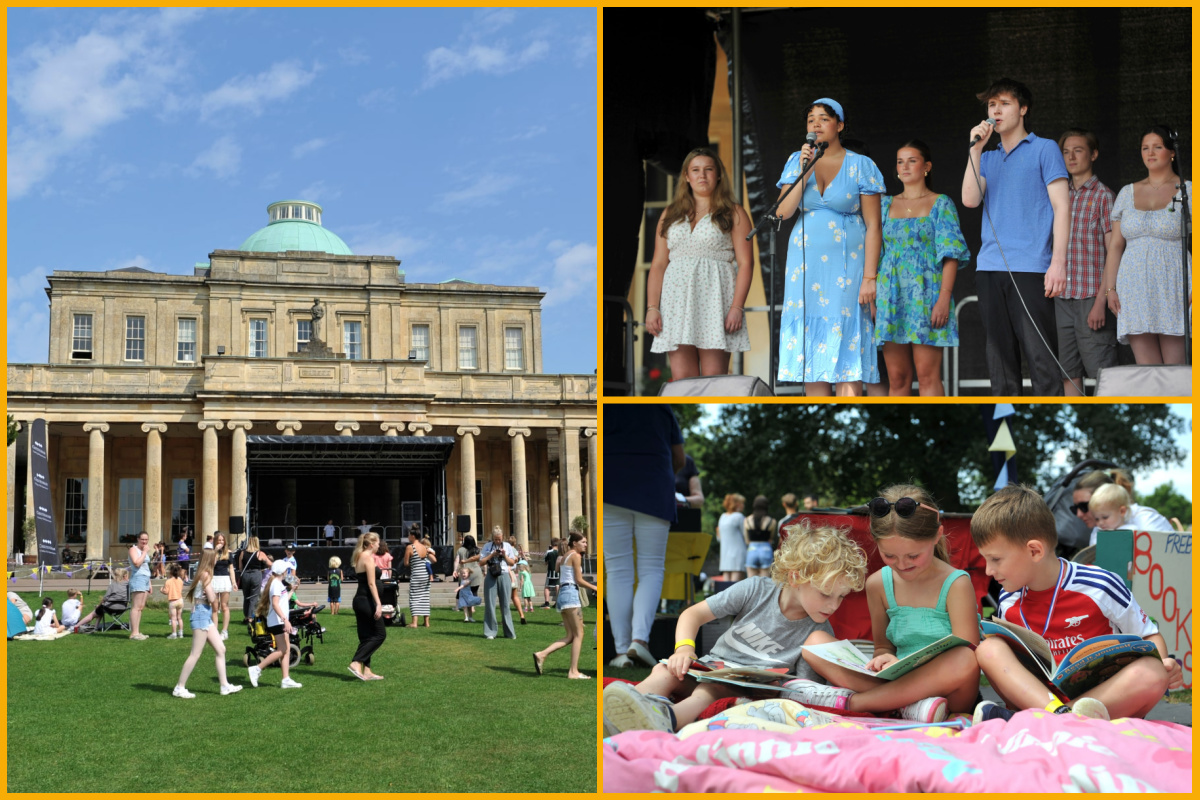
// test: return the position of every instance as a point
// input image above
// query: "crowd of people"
(1063, 274)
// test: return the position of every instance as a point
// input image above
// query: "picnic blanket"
(40, 637)
(780, 746)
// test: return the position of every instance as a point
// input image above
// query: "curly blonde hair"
(819, 556)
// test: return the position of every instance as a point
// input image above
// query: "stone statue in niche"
(317, 312)
(315, 347)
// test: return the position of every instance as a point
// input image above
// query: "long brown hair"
(922, 526)
(684, 205)
(207, 559)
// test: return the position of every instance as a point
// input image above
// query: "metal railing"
(631, 324)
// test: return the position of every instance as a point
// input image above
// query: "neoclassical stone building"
(197, 400)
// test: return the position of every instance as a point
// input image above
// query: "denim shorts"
(201, 618)
(568, 597)
(759, 555)
(139, 583)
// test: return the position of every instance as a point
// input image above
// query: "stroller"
(301, 645)
(1073, 535)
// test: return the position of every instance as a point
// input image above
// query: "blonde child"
(1113, 508)
(335, 585)
(813, 572)
(467, 599)
(204, 628)
(72, 609)
(46, 620)
(173, 589)
(1064, 603)
(526, 580)
(916, 599)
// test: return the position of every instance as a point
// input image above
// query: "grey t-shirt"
(760, 635)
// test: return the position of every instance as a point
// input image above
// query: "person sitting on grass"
(815, 569)
(1065, 603)
(72, 608)
(116, 597)
(916, 599)
(46, 621)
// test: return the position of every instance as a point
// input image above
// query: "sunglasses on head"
(905, 507)
(1080, 508)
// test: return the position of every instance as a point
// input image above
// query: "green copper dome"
(295, 225)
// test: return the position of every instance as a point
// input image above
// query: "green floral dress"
(910, 275)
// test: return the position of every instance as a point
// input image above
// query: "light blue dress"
(1150, 280)
(910, 275)
(824, 334)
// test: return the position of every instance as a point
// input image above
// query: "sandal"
(537, 663)
(357, 674)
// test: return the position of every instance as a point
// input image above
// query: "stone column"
(520, 497)
(208, 481)
(289, 426)
(237, 468)
(152, 498)
(467, 476)
(392, 428)
(346, 427)
(556, 530)
(420, 428)
(12, 492)
(96, 543)
(590, 433)
(571, 474)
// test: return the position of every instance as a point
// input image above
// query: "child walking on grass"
(204, 629)
(173, 589)
(774, 618)
(916, 599)
(273, 605)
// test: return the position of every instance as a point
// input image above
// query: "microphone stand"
(775, 222)
(1184, 228)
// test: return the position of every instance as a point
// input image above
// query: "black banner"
(40, 464)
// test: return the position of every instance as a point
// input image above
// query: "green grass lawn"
(455, 713)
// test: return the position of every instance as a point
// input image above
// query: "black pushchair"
(307, 628)
(1073, 535)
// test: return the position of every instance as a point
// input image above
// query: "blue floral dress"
(824, 334)
(910, 275)
(1150, 280)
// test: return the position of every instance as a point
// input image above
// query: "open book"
(1088, 664)
(845, 654)
(737, 675)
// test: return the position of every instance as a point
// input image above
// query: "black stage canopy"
(348, 456)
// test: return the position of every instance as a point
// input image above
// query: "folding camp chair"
(113, 613)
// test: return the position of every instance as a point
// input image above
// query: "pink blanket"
(788, 750)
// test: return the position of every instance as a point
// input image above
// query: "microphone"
(811, 141)
(975, 141)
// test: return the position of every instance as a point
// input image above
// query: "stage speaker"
(237, 524)
(1145, 380)
(464, 523)
(717, 386)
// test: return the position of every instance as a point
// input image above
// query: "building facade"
(212, 400)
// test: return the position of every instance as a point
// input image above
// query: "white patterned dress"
(1149, 280)
(697, 290)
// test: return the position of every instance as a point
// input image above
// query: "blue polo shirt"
(1019, 204)
(638, 473)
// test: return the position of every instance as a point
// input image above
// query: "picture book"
(845, 654)
(1088, 663)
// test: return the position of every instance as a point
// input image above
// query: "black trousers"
(1011, 333)
(371, 631)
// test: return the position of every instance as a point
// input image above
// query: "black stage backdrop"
(913, 73)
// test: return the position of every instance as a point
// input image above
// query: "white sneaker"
(288, 683)
(1090, 707)
(179, 691)
(224, 635)
(230, 688)
(255, 671)
(621, 662)
(171, 635)
(638, 652)
(931, 709)
(627, 709)
(811, 693)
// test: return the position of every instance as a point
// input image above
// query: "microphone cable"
(987, 213)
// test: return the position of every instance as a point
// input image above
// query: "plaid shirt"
(1091, 218)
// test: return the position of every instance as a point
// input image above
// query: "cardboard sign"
(1162, 585)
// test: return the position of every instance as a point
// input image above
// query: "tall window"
(129, 514)
(479, 513)
(81, 337)
(468, 350)
(185, 349)
(258, 339)
(303, 333)
(183, 506)
(352, 339)
(420, 342)
(75, 518)
(514, 348)
(135, 338)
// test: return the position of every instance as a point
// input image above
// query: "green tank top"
(909, 629)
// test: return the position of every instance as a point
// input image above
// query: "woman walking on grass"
(204, 629)
(569, 605)
(416, 558)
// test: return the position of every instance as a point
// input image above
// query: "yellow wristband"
(683, 642)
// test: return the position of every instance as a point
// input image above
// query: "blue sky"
(462, 142)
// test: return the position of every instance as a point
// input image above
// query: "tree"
(12, 429)
(848, 453)
(1167, 500)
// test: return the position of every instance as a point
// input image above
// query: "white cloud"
(222, 159)
(318, 192)
(28, 318)
(252, 92)
(311, 146)
(67, 93)
(529, 133)
(23, 287)
(574, 273)
(483, 190)
(373, 242)
(378, 97)
(473, 54)
(353, 55)
(584, 52)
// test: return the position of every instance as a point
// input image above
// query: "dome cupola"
(295, 225)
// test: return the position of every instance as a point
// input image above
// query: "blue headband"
(834, 104)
